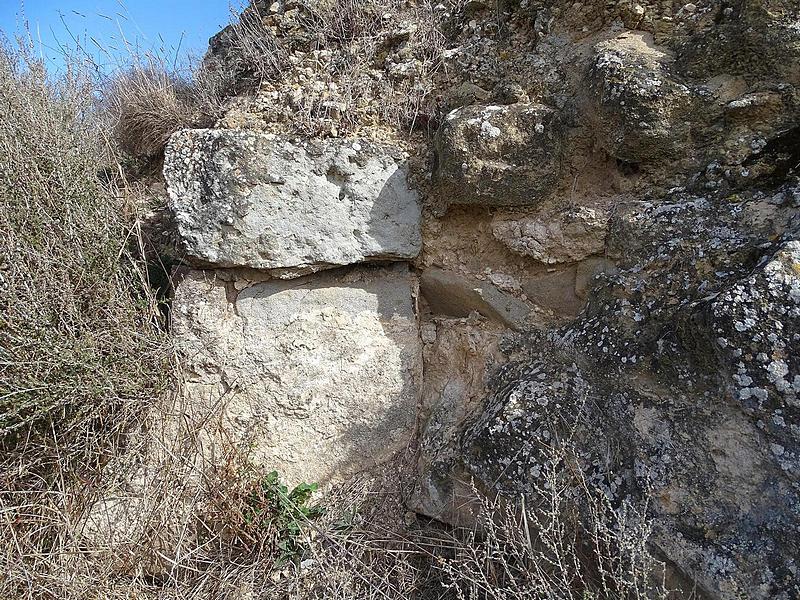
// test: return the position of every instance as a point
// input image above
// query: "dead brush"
(148, 103)
(359, 33)
(81, 352)
(255, 54)
(566, 541)
(343, 21)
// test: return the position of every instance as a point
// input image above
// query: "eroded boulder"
(245, 199)
(317, 378)
(499, 155)
(640, 110)
(755, 39)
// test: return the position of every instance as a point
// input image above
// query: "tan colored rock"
(317, 378)
(555, 291)
(459, 356)
(553, 238)
(457, 295)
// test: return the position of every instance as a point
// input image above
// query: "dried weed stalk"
(81, 349)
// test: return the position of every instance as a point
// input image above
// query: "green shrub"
(271, 506)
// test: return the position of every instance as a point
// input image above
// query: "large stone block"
(639, 110)
(499, 155)
(317, 378)
(258, 200)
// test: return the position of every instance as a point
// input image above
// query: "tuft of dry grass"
(148, 103)
(571, 543)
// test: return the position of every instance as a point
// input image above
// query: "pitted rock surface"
(317, 377)
(245, 199)
(564, 237)
(680, 380)
(499, 155)
(641, 110)
(610, 249)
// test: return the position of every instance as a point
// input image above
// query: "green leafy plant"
(287, 514)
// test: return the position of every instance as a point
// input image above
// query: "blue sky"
(173, 27)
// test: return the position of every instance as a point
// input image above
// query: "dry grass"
(148, 103)
(256, 54)
(103, 494)
(80, 347)
(569, 544)
(357, 36)
(79, 324)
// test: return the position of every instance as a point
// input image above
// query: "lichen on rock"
(599, 203)
(245, 199)
(498, 155)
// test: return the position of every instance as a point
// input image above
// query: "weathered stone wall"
(600, 227)
(317, 376)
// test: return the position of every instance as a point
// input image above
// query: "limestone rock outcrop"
(459, 355)
(245, 199)
(549, 238)
(678, 383)
(604, 230)
(499, 155)
(317, 377)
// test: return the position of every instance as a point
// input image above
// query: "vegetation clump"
(82, 347)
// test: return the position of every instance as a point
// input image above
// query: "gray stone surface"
(641, 111)
(258, 200)
(317, 378)
(681, 381)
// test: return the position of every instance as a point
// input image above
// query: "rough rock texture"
(498, 155)
(553, 238)
(664, 243)
(682, 375)
(609, 249)
(255, 200)
(641, 112)
(459, 355)
(588, 271)
(317, 377)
